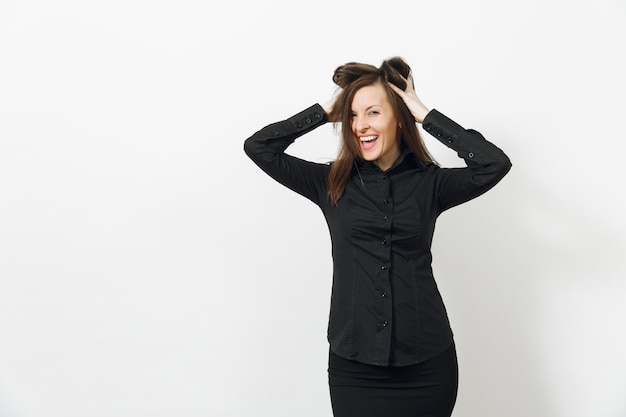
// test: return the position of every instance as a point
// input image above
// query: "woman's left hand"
(412, 101)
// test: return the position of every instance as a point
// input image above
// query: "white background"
(148, 268)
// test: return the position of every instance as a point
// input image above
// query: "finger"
(396, 89)
(409, 86)
(409, 83)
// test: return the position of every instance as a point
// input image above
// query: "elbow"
(247, 147)
(502, 167)
(506, 165)
(490, 174)
(250, 148)
(257, 151)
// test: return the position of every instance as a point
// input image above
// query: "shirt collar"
(406, 157)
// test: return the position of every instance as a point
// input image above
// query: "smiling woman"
(392, 351)
(374, 123)
(364, 85)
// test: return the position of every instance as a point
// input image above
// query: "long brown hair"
(351, 77)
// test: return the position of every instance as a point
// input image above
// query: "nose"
(360, 124)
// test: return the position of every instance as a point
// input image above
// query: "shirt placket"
(382, 345)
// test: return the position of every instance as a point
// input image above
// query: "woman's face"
(375, 126)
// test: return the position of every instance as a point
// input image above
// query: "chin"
(370, 157)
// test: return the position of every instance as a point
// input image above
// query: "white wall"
(148, 268)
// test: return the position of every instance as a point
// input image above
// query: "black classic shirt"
(385, 305)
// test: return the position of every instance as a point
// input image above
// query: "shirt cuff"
(309, 118)
(442, 127)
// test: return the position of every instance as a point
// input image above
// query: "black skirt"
(427, 389)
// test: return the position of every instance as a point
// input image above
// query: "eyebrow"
(369, 107)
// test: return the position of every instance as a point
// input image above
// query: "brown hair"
(351, 77)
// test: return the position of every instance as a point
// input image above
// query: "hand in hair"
(412, 101)
(328, 107)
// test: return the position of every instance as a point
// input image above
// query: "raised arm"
(486, 163)
(267, 149)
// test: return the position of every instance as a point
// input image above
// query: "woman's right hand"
(328, 107)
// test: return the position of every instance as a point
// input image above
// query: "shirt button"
(384, 324)
(384, 294)
(471, 154)
(386, 218)
(384, 267)
(383, 242)
(385, 201)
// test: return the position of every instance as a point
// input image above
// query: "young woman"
(392, 352)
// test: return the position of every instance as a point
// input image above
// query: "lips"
(368, 142)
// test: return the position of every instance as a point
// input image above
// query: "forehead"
(370, 95)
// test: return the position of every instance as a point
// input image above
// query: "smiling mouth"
(370, 138)
(368, 142)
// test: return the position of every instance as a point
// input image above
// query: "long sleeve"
(267, 149)
(486, 163)
(385, 308)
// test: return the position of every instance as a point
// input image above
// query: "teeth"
(368, 138)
